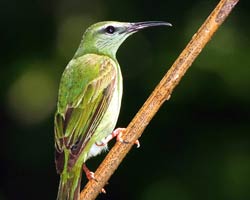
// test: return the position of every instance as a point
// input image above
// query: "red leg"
(118, 134)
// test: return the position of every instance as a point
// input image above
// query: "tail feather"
(69, 186)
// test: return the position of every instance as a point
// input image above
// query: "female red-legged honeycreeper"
(89, 101)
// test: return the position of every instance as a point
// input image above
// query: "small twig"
(161, 93)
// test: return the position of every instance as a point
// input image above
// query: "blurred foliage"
(198, 145)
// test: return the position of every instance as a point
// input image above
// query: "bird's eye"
(110, 29)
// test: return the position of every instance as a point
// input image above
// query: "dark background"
(196, 147)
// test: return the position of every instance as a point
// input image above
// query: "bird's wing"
(85, 92)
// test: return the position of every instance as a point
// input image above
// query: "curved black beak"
(134, 27)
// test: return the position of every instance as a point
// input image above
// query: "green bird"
(89, 101)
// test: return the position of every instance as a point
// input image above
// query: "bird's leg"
(118, 134)
(91, 175)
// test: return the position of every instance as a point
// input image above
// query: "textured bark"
(161, 93)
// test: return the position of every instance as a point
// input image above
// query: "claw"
(137, 143)
(118, 134)
(91, 176)
(103, 191)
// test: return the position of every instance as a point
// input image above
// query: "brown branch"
(161, 93)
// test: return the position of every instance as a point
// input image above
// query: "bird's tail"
(69, 186)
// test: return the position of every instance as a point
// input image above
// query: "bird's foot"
(118, 134)
(91, 176)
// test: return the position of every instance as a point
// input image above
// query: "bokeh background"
(196, 147)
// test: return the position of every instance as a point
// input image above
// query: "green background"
(196, 147)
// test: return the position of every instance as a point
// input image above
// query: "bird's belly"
(106, 125)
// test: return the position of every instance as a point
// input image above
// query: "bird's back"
(87, 96)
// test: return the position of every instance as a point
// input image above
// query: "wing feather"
(86, 89)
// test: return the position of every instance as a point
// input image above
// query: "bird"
(89, 101)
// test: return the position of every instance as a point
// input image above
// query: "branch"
(161, 93)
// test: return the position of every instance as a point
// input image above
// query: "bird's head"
(106, 37)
